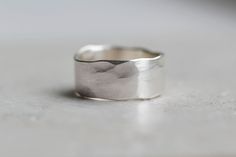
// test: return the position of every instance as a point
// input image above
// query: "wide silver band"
(118, 73)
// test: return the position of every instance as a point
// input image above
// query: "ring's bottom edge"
(104, 99)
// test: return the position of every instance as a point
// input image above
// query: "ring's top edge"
(77, 56)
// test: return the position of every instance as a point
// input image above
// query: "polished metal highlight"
(118, 73)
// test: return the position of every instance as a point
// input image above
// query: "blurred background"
(31, 19)
(195, 117)
(28, 19)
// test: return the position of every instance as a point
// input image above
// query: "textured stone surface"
(39, 114)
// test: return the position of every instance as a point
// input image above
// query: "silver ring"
(118, 73)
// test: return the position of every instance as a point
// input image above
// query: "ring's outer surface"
(118, 73)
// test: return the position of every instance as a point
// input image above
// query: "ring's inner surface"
(93, 53)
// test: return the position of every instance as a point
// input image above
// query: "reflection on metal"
(117, 73)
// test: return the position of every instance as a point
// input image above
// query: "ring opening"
(100, 52)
